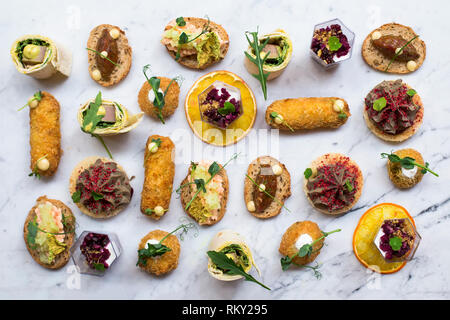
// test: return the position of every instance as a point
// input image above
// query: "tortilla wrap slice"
(57, 59)
(275, 70)
(125, 121)
(221, 240)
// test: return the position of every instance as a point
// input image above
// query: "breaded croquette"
(171, 98)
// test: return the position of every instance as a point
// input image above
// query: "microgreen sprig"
(213, 169)
(257, 48)
(184, 38)
(221, 260)
(159, 249)
(35, 170)
(103, 56)
(407, 163)
(305, 250)
(399, 52)
(275, 115)
(267, 193)
(37, 96)
(91, 120)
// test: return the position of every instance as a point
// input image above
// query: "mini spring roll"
(233, 245)
(40, 57)
(307, 113)
(159, 173)
(45, 136)
(116, 118)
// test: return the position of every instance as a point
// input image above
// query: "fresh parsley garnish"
(228, 108)
(407, 162)
(200, 184)
(379, 104)
(305, 250)
(334, 44)
(257, 48)
(180, 22)
(221, 260)
(91, 120)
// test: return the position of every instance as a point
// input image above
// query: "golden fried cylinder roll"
(45, 135)
(159, 172)
(307, 113)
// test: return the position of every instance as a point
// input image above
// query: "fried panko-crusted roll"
(159, 173)
(307, 113)
(45, 136)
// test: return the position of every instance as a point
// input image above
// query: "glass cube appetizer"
(95, 252)
(397, 240)
(220, 104)
(332, 43)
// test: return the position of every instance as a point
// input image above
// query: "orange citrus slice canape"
(369, 224)
(208, 132)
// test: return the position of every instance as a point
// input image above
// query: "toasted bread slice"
(380, 62)
(218, 214)
(331, 158)
(190, 61)
(80, 167)
(283, 187)
(403, 135)
(69, 219)
(124, 55)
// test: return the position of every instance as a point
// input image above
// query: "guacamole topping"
(399, 111)
(50, 236)
(206, 204)
(104, 188)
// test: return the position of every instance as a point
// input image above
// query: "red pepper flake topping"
(400, 111)
(104, 188)
(334, 186)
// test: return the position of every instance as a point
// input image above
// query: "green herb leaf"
(99, 266)
(183, 39)
(407, 162)
(180, 22)
(342, 115)
(96, 196)
(200, 183)
(285, 263)
(308, 173)
(32, 232)
(91, 119)
(223, 262)
(76, 196)
(257, 47)
(274, 114)
(425, 170)
(104, 57)
(305, 250)
(214, 168)
(334, 44)
(395, 243)
(157, 142)
(411, 92)
(228, 108)
(379, 104)
(349, 186)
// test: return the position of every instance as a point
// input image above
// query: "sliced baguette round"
(403, 135)
(62, 258)
(191, 60)
(124, 60)
(283, 187)
(79, 168)
(328, 159)
(218, 214)
(374, 58)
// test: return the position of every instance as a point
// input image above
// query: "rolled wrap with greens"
(116, 118)
(40, 57)
(234, 247)
(279, 48)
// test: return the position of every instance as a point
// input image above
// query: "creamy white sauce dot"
(302, 240)
(409, 173)
(151, 241)
(234, 93)
(151, 94)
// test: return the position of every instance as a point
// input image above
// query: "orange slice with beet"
(209, 133)
(369, 224)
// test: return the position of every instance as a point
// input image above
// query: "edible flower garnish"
(257, 60)
(159, 100)
(103, 56)
(305, 250)
(159, 249)
(36, 97)
(221, 260)
(267, 193)
(408, 163)
(92, 118)
(379, 104)
(334, 44)
(398, 52)
(213, 169)
(308, 173)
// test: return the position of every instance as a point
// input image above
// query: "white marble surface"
(426, 277)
